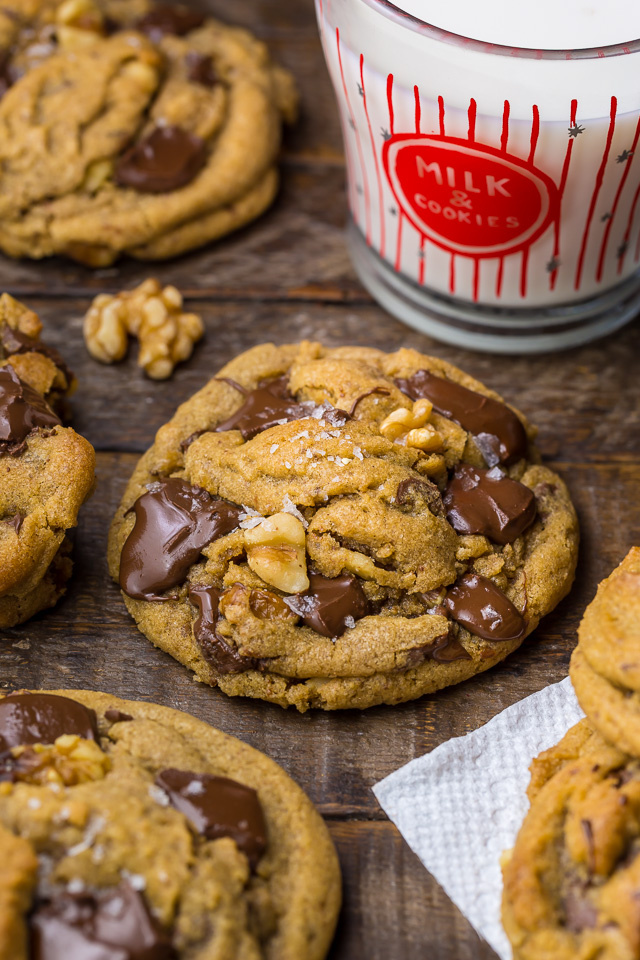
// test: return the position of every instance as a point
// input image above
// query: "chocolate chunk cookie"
(571, 883)
(134, 832)
(132, 128)
(341, 528)
(47, 469)
(605, 666)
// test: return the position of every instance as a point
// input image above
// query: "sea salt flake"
(287, 465)
(273, 447)
(324, 435)
(349, 622)
(346, 460)
(158, 795)
(309, 454)
(136, 880)
(332, 459)
(288, 506)
(194, 788)
(34, 803)
(357, 452)
(90, 834)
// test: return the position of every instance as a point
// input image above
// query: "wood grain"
(284, 278)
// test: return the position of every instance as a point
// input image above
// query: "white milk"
(484, 179)
(543, 24)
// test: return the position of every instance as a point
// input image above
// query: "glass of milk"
(493, 163)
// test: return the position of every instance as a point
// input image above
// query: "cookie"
(342, 528)
(605, 666)
(131, 831)
(47, 469)
(171, 144)
(571, 882)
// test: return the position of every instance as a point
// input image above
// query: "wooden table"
(286, 277)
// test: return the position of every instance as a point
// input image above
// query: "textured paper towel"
(461, 805)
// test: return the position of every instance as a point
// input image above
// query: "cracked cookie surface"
(570, 884)
(47, 469)
(284, 542)
(605, 666)
(172, 143)
(134, 830)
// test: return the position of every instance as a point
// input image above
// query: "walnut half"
(276, 552)
(152, 314)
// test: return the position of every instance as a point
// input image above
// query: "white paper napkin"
(461, 805)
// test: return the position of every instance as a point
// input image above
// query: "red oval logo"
(467, 197)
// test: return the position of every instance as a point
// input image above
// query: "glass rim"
(393, 12)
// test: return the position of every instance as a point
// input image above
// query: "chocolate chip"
(166, 159)
(479, 606)
(498, 432)
(27, 718)
(218, 807)
(174, 522)
(15, 342)
(413, 492)
(381, 390)
(489, 503)
(200, 69)
(117, 716)
(444, 649)
(15, 521)
(270, 404)
(215, 649)
(22, 410)
(109, 925)
(169, 19)
(331, 604)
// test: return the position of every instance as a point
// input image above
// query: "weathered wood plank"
(586, 402)
(394, 909)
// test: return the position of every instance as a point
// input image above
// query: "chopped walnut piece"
(411, 427)
(276, 552)
(152, 314)
(78, 23)
(68, 761)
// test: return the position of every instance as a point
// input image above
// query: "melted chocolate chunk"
(117, 716)
(16, 521)
(489, 503)
(200, 69)
(412, 490)
(330, 603)
(14, 341)
(27, 718)
(218, 807)
(381, 390)
(444, 649)
(174, 522)
(215, 649)
(22, 410)
(109, 925)
(580, 913)
(166, 159)
(6, 79)
(497, 430)
(169, 19)
(477, 604)
(271, 403)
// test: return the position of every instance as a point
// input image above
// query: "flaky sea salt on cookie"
(47, 470)
(131, 831)
(341, 528)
